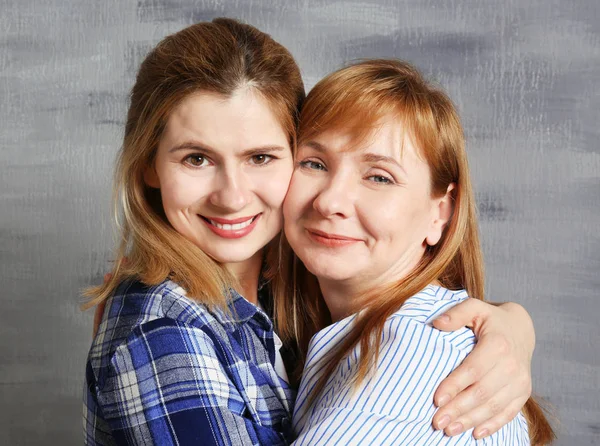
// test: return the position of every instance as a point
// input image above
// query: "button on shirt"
(163, 369)
(395, 405)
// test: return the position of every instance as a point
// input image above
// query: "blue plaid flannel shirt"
(165, 370)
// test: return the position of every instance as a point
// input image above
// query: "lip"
(331, 240)
(226, 221)
(231, 233)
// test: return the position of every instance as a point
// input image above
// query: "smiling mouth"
(332, 236)
(234, 228)
(231, 227)
(331, 240)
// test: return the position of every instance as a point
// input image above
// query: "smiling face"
(223, 167)
(362, 215)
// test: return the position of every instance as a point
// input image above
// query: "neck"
(340, 298)
(247, 274)
(343, 297)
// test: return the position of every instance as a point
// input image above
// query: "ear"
(151, 177)
(442, 213)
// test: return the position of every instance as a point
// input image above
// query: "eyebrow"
(195, 145)
(367, 157)
(317, 146)
(375, 158)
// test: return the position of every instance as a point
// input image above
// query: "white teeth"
(235, 227)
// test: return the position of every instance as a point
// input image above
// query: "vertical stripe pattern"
(394, 406)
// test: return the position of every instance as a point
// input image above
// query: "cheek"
(379, 213)
(179, 191)
(392, 217)
(300, 196)
(272, 185)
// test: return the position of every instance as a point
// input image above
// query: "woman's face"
(223, 167)
(362, 214)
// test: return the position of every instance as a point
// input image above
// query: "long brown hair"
(219, 57)
(355, 99)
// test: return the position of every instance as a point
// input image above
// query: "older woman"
(380, 209)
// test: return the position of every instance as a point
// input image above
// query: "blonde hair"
(355, 99)
(219, 57)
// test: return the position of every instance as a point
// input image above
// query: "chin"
(231, 256)
(329, 270)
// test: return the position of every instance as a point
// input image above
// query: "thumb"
(465, 314)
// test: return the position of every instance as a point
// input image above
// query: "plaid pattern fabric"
(165, 370)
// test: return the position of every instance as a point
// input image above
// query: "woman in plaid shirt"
(186, 352)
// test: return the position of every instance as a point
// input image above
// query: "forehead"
(244, 118)
(389, 137)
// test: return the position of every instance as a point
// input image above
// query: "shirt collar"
(241, 312)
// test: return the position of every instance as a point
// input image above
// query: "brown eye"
(261, 159)
(195, 160)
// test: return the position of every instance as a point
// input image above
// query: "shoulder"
(136, 309)
(134, 299)
(430, 302)
(419, 311)
(134, 303)
(416, 314)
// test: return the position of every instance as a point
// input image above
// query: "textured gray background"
(525, 75)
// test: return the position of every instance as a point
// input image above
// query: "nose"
(336, 199)
(232, 191)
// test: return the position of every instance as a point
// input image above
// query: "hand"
(493, 383)
(99, 311)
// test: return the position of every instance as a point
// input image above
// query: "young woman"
(184, 353)
(380, 209)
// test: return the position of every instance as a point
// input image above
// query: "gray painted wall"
(525, 75)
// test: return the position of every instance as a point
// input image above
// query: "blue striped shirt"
(163, 369)
(394, 406)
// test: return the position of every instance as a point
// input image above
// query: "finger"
(498, 392)
(483, 358)
(465, 314)
(477, 404)
(491, 423)
(497, 422)
(98, 313)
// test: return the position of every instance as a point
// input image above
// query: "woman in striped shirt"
(380, 209)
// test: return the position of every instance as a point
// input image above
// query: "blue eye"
(313, 165)
(380, 179)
